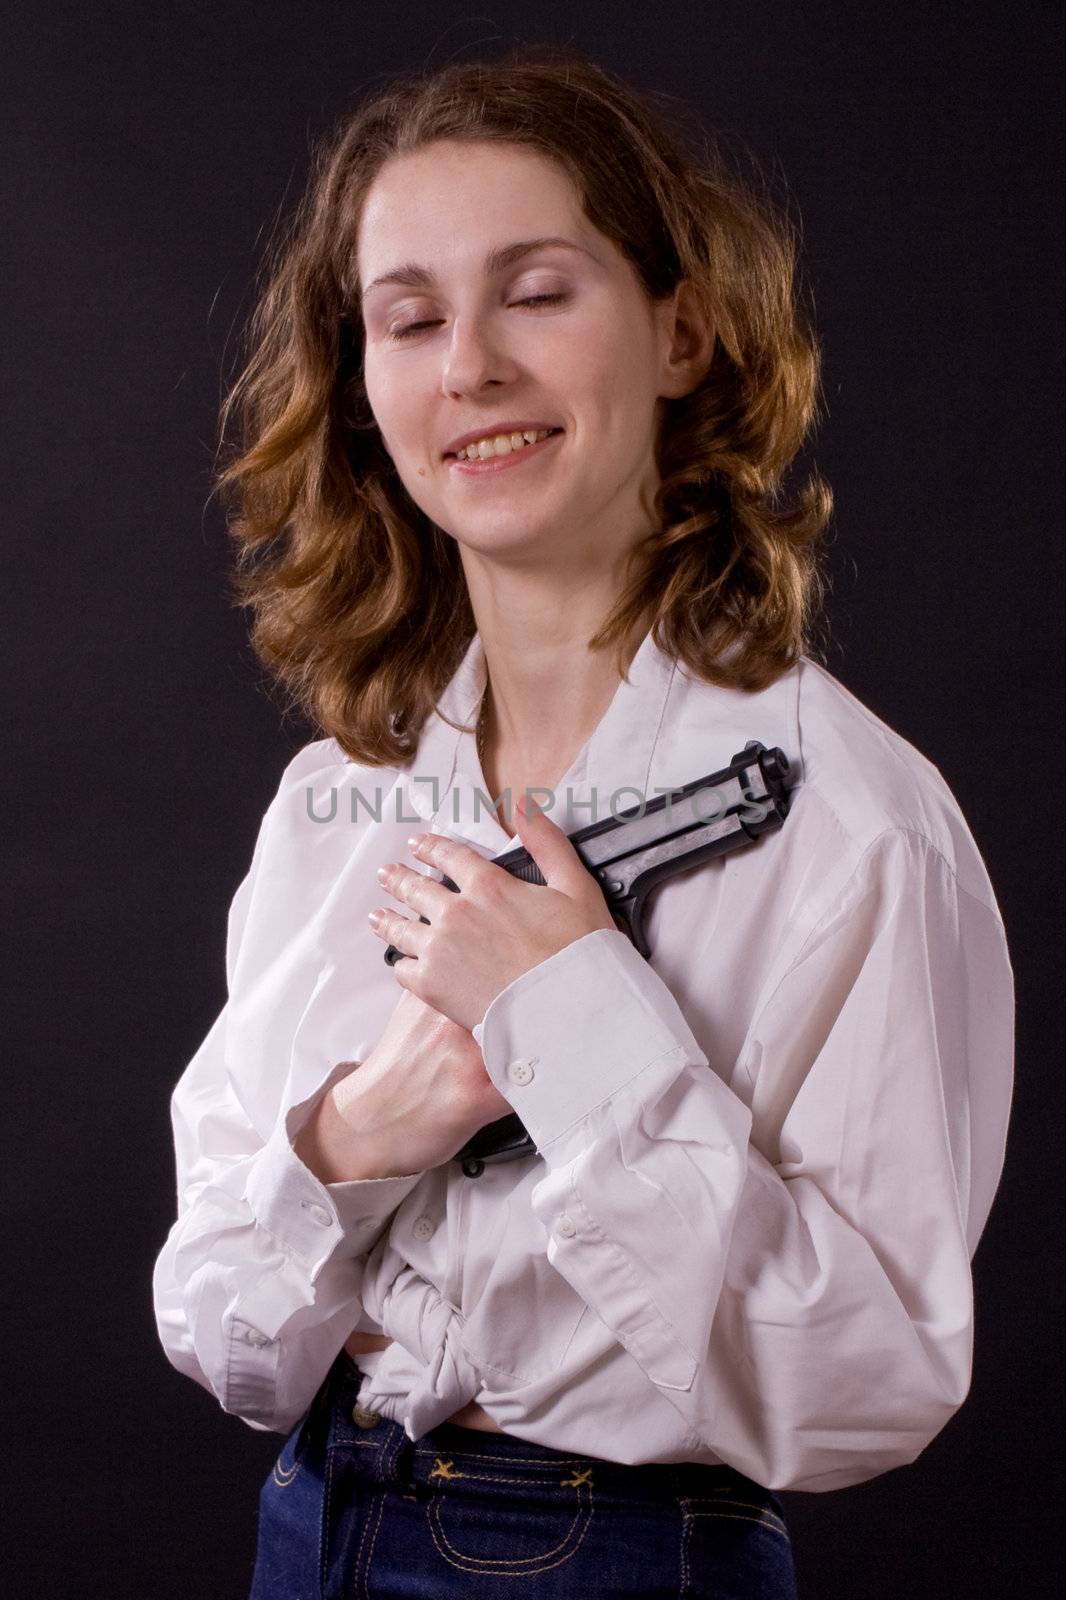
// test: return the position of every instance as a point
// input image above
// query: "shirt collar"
(708, 725)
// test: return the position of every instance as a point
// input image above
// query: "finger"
(422, 894)
(560, 865)
(408, 934)
(459, 862)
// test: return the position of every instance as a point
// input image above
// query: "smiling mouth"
(495, 455)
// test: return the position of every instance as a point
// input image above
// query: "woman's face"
(457, 348)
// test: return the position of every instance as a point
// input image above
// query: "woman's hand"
(496, 928)
(419, 1095)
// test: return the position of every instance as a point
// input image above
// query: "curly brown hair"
(361, 609)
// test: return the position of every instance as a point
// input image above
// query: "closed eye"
(532, 300)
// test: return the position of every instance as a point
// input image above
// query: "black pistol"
(630, 853)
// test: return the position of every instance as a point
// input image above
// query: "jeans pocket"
(291, 1455)
(735, 1544)
(289, 1523)
(294, 1451)
(512, 1523)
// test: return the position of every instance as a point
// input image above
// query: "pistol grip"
(629, 916)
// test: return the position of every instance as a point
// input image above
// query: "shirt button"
(565, 1226)
(424, 1228)
(253, 1336)
(520, 1071)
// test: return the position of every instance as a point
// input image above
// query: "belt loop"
(395, 1457)
(403, 1461)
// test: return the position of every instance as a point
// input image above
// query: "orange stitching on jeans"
(325, 1523)
(763, 1521)
(360, 1577)
(511, 1461)
(747, 1505)
(443, 1469)
(488, 1564)
(686, 1525)
(392, 1459)
(577, 1480)
(489, 1477)
(365, 1577)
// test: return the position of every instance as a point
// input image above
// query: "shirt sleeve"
(806, 1306)
(258, 1283)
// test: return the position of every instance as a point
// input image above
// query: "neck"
(542, 702)
(535, 614)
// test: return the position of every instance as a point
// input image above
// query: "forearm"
(332, 1149)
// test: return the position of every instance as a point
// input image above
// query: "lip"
(490, 433)
(513, 458)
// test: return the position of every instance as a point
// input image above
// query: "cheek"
(390, 402)
(617, 412)
(377, 393)
(611, 379)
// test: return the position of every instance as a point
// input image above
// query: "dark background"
(149, 149)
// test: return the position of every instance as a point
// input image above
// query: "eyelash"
(531, 300)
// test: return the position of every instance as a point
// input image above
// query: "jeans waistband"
(383, 1451)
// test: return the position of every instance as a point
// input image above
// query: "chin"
(499, 542)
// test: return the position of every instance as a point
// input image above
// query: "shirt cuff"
(569, 1033)
(312, 1220)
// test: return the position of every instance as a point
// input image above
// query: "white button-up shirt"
(764, 1156)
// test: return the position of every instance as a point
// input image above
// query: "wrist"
(331, 1149)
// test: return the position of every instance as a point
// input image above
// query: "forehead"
(449, 202)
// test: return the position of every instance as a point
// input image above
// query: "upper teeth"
(501, 444)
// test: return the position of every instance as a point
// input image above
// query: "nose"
(472, 359)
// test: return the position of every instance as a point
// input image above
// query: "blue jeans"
(353, 1508)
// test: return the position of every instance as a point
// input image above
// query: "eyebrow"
(413, 276)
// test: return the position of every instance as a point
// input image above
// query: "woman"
(525, 380)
